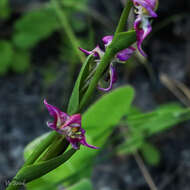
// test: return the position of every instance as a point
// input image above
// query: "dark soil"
(23, 115)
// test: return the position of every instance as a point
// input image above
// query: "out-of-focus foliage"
(36, 25)
(13, 59)
(21, 61)
(150, 153)
(33, 27)
(6, 55)
(71, 6)
(28, 31)
(4, 9)
(142, 125)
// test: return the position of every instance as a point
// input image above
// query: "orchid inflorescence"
(144, 10)
(121, 56)
(70, 126)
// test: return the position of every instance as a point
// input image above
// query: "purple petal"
(107, 40)
(85, 51)
(83, 142)
(149, 5)
(75, 143)
(125, 54)
(113, 79)
(58, 115)
(97, 52)
(73, 121)
(52, 125)
(142, 32)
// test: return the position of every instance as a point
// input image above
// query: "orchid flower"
(121, 56)
(144, 10)
(69, 126)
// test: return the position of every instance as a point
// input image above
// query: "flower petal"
(149, 5)
(73, 121)
(107, 40)
(125, 54)
(142, 32)
(52, 125)
(69, 126)
(83, 142)
(113, 78)
(75, 143)
(97, 52)
(58, 115)
(85, 51)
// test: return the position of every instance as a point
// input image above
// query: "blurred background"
(39, 59)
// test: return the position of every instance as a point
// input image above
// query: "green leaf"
(73, 5)
(131, 144)
(75, 97)
(150, 153)
(102, 117)
(32, 145)
(99, 121)
(31, 172)
(5, 10)
(161, 119)
(84, 184)
(41, 184)
(143, 125)
(21, 61)
(33, 27)
(122, 40)
(6, 56)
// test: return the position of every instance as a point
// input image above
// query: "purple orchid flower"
(69, 126)
(97, 52)
(121, 56)
(144, 10)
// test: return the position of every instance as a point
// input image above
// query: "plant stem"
(108, 56)
(14, 185)
(102, 66)
(67, 29)
(124, 16)
(33, 172)
(145, 172)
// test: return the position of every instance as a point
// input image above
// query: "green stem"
(25, 175)
(108, 56)
(67, 29)
(124, 16)
(92, 86)
(117, 45)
